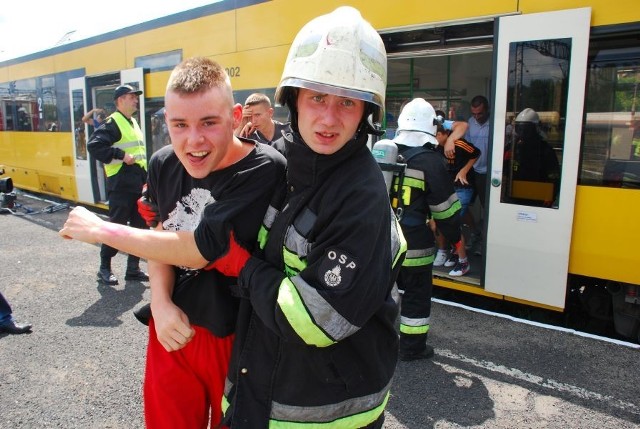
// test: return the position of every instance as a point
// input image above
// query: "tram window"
(611, 133)
(160, 62)
(37, 104)
(79, 135)
(154, 109)
(47, 104)
(534, 130)
(20, 106)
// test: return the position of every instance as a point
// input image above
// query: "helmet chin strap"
(370, 127)
(368, 124)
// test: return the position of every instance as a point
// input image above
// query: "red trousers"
(183, 389)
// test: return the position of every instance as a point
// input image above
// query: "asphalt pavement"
(82, 365)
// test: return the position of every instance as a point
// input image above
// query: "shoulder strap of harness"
(403, 159)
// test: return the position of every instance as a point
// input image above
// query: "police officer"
(119, 144)
(427, 193)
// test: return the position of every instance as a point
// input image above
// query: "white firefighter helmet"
(528, 115)
(417, 124)
(340, 54)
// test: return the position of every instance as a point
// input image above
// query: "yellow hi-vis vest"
(131, 142)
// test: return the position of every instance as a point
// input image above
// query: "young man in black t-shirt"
(208, 193)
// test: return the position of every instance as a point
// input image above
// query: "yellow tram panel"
(50, 169)
(604, 12)
(600, 248)
(254, 69)
(155, 84)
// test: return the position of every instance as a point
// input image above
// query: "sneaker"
(105, 276)
(460, 269)
(451, 261)
(408, 356)
(440, 259)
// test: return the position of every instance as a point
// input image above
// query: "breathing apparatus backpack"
(394, 165)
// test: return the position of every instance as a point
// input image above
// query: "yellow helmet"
(340, 54)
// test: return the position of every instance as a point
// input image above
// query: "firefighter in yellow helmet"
(316, 343)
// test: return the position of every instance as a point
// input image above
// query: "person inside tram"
(460, 168)
(478, 134)
(531, 159)
(24, 120)
(94, 117)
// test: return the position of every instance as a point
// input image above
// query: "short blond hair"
(198, 74)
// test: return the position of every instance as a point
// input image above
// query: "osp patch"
(337, 268)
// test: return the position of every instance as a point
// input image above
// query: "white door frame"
(82, 168)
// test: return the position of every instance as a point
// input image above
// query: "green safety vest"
(131, 142)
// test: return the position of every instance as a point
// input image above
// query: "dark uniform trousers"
(417, 286)
(123, 209)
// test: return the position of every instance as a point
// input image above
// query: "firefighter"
(532, 159)
(316, 342)
(426, 192)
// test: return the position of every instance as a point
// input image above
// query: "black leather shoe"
(407, 356)
(137, 275)
(12, 327)
(105, 276)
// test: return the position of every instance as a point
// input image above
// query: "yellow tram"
(576, 62)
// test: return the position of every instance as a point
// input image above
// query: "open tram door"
(86, 93)
(81, 157)
(540, 64)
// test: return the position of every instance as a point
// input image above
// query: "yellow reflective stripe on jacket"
(419, 257)
(447, 208)
(412, 179)
(330, 416)
(322, 312)
(267, 223)
(293, 264)
(333, 415)
(300, 320)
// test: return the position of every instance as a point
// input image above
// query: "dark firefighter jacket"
(427, 193)
(320, 345)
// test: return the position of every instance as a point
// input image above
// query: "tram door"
(90, 179)
(540, 63)
(81, 159)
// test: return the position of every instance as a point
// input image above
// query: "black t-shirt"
(233, 199)
(280, 129)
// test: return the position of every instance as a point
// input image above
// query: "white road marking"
(537, 380)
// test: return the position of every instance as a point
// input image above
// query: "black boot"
(409, 355)
(133, 270)
(414, 347)
(105, 275)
